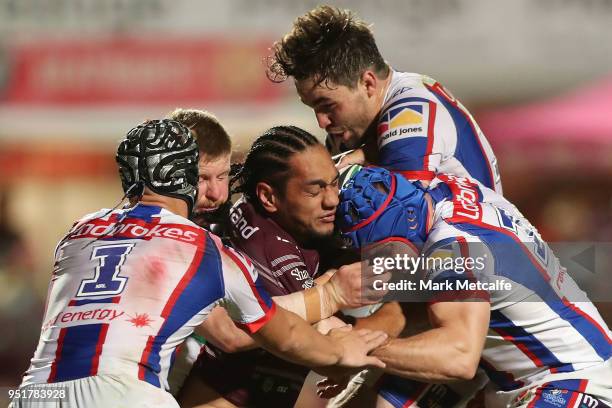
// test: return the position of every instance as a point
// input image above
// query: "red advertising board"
(138, 71)
(54, 163)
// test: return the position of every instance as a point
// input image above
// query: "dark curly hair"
(328, 44)
(268, 160)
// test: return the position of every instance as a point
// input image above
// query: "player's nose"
(213, 191)
(323, 119)
(331, 199)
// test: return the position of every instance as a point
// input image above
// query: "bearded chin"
(218, 216)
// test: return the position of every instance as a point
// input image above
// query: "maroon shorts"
(252, 379)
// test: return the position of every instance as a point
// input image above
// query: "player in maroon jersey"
(290, 194)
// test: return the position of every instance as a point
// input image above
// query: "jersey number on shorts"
(106, 279)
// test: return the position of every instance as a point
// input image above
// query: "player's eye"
(326, 107)
(313, 191)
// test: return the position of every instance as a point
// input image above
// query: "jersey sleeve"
(415, 133)
(246, 300)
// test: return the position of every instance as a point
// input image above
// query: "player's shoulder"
(96, 214)
(443, 233)
(465, 208)
(255, 233)
(168, 217)
(448, 241)
(246, 224)
(408, 87)
(456, 200)
(103, 213)
(470, 195)
(233, 260)
(410, 109)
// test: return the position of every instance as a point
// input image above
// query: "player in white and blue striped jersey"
(513, 310)
(130, 285)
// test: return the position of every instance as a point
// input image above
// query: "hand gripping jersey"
(129, 286)
(256, 377)
(423, 130)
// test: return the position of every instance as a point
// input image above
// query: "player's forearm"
(236, 342)
(325, 277)
(220, 330)
(312, 305)
(437, 355)
(233, 341)
(342, 290)
(389, 318)
(296, 341)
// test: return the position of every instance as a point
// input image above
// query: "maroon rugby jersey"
(257, 378)
(284, 266)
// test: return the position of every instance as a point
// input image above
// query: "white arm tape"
(311, 304)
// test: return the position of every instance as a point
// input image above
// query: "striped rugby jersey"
(423, 130)
(542, 326)
(129, 286)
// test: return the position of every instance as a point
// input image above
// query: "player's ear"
(370, 82)
(266, 196)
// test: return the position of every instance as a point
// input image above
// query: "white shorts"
(597, 384)
(103, 391)
(184, 360)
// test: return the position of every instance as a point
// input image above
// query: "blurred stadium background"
(75, 75)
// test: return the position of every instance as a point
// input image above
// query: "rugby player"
(541, 341)
(211, 211)
(130, 285)
(406, 122)
(290, 193)
(215, 146)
